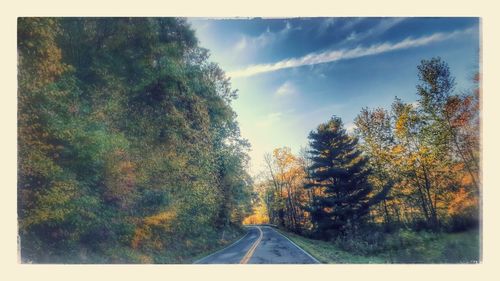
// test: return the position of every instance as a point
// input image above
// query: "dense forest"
(401, 174)
(128, 149)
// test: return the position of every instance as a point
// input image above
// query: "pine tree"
(339, 177)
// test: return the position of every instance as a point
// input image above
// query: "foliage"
(404, 246)
(428, 152)
(412, 178)
(340, 174)
(127, 142)
(281, 192)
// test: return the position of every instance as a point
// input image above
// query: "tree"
(416, 160)
(285, 195)
(428, 151)
(339, 171)
(374, 127)
(449, 116)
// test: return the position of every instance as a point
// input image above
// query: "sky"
(293, 74)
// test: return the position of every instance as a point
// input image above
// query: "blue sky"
(293, 74)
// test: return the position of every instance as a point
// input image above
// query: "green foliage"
(126, 134)
(404, 246)
(339, 171)
(328, 252)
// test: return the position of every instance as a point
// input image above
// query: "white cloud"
(336, 55)
(264, 39)
(352, 22)
(350, 127)
(352, 36)
(241, 44)
(380, 28)
(325, 25)
(286, 89)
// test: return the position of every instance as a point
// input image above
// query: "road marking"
(234, 243)
(250, 252)
(309, 255)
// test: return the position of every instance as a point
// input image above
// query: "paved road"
(261, 245)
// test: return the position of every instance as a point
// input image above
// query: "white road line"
(234, 243)
(309, 255)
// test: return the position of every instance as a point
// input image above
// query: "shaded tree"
(340, 172)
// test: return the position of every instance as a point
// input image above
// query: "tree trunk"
(434, 219)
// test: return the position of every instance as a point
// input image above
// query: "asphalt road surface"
(261, 245)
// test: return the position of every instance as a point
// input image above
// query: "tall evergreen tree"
(340, 173)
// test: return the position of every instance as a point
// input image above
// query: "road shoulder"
(294, 244)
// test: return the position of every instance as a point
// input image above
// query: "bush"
(463, 222)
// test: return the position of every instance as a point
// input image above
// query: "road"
(261, 245)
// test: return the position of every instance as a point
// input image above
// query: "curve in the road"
(261, 245)
(250, 252)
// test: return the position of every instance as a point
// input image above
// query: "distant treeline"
(415, 166)
(128, 149)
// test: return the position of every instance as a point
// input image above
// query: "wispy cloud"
(351, 22)
(353, 36)
(336, 55)
(380, 28)
(325, 25)
(286, 89)
(264, 39)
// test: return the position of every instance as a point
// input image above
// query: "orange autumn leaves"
(424, 154)
(429, 149)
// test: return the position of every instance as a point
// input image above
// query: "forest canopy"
(128, 148)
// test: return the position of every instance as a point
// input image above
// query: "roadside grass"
(460, 247)
(327, 252)
(399, 247)
(182, 252)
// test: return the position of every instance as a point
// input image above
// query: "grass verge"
(327, 252)
(400, 247)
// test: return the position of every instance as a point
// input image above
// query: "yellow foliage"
(255, 219)
(401, 124)
(145, 259)
(139, 235)
(397, 149)
(259, 216)
(462, 202)
(160, 219)
(144, 234)
(466, 180)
